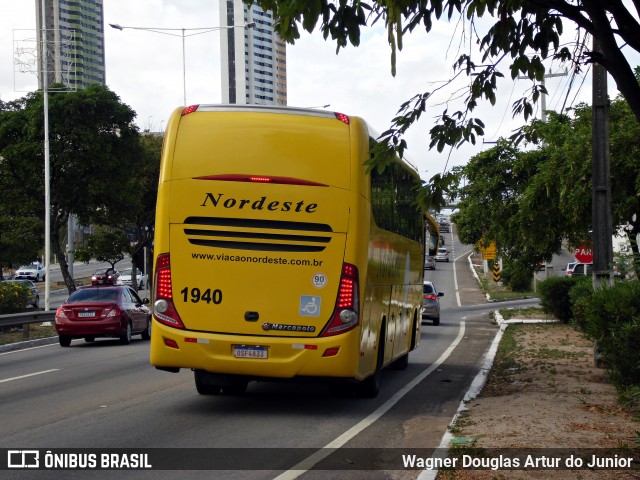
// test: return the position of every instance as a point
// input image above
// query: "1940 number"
(196, 295)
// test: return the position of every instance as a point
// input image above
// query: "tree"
(20, 240)
(132, 233)
(495, 205)
(141, 221)
(566, 142)
(105, 246)
(523, 34)
(529, 201)
(94, 159)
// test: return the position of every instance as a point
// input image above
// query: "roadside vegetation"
(103, 171)
(608, 316)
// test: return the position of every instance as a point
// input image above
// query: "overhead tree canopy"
(523, 34)
(528, 202)
(94, 159)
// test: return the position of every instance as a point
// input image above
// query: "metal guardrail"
(24, 319)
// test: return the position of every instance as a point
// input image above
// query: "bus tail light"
(189, 109)
(342, 117)
(163, 307)
(345, 314)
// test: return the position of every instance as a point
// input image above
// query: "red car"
(103, 311)
(105, 276)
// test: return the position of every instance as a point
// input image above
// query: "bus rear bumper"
(285, 357)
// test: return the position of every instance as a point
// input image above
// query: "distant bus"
(278, 256)
(432, 235)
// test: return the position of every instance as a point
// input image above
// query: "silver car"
(431, 302)
(442, 255)
(125, 278)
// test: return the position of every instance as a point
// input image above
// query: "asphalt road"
(105, 395)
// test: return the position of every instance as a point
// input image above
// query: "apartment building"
(74, 42)
(254, 60)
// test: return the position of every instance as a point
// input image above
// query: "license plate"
(86, 314)
(244, 351)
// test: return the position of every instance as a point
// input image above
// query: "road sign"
(496, 272)
(584, 253)
(489, 252)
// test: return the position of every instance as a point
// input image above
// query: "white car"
(35, 272)
(442, 255)
(125, 278)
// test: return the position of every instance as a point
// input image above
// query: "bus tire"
(202, 386)
(342, 389)
(235, 387)
(401, 363)
(370, 386)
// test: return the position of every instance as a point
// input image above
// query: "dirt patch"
(545, 393)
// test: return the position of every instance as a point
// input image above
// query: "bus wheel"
(401, 363)
(342, 389)
(370, 386)
(202, 385)
(235, 387)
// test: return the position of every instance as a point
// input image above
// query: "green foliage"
(104, 246)
(554, 293)
(517, 277)
(95, 166)
(499, 36)
(580, 297)
(613, 320)
(21, 239)
(630, 398)
(496, 205)
(13, 297)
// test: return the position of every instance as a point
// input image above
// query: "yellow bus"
(277, 256)
(432, 235)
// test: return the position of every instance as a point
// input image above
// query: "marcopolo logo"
(287, 328)
(224, 201)
(23, 459)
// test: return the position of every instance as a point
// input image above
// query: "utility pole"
(543, 97)
(601, 192)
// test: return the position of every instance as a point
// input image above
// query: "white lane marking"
(455, 277)
(324, 452)
(29, 375)
(28, 348)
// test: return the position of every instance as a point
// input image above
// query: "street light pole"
(183, 33)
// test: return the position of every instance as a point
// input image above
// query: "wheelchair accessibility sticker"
(309, 306)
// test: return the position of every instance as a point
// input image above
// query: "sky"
(145, 70)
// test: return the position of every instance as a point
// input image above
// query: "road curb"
(477, 384)
(38, 342)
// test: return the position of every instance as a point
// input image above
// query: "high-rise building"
(254, 60)
(75, 42)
